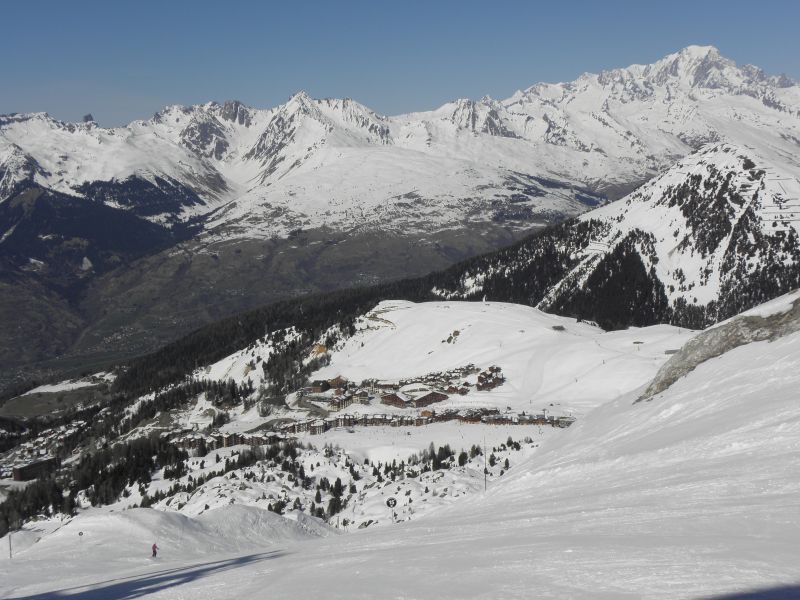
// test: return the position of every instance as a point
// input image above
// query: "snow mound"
(127, 535)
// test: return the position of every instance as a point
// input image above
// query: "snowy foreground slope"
(691, 494)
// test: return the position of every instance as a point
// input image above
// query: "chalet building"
(378, 420)
(496, 420)
(338, 382)
(447, 416)
(396, 399)
(196, 442)
(232, 439)
(361, 396)
(490, 379)
(319, 386)
(341, 402)
(34, 469)
(430, 398)
(261, 439)
(386, 385)
(470, 417)
(345, 421)
(317, 427)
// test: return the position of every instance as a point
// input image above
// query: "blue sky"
(122, 61)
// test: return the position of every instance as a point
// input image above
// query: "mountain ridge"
(314, 195)
(582, 133)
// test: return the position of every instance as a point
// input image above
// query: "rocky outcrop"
(723, 338)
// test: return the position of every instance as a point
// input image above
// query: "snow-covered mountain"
(313, 195)
(307, 163)
(256, 173)
(717, 233)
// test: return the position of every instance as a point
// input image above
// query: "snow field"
(574, 369)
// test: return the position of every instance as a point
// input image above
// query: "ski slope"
(692, 494)
(116, 544)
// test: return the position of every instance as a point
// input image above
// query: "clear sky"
(125, 60)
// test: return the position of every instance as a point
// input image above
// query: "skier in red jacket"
(155, 550)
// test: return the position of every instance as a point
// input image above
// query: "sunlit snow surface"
(693, 494)
(544, 358)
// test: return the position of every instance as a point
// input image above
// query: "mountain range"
(228, 207)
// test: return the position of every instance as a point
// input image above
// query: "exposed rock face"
(724, 337)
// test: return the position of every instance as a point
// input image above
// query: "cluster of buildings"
(400, 400)
(419, 392)
(429, 388)
(489, 416)
(317, 426)
(454, 381)
(39, 455)
(191, 440)
(490, 379)
(511, 418)
(335, 394)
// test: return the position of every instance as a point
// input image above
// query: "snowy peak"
(206, 136)
(478, 116)
(303, 125)
(691, 67)
(695, 66)
(17, 169)
(606, 133)
(714, 227)
(358, 118)
(236, 112)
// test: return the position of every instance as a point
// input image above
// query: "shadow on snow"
(137, 586)
(786, 592)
